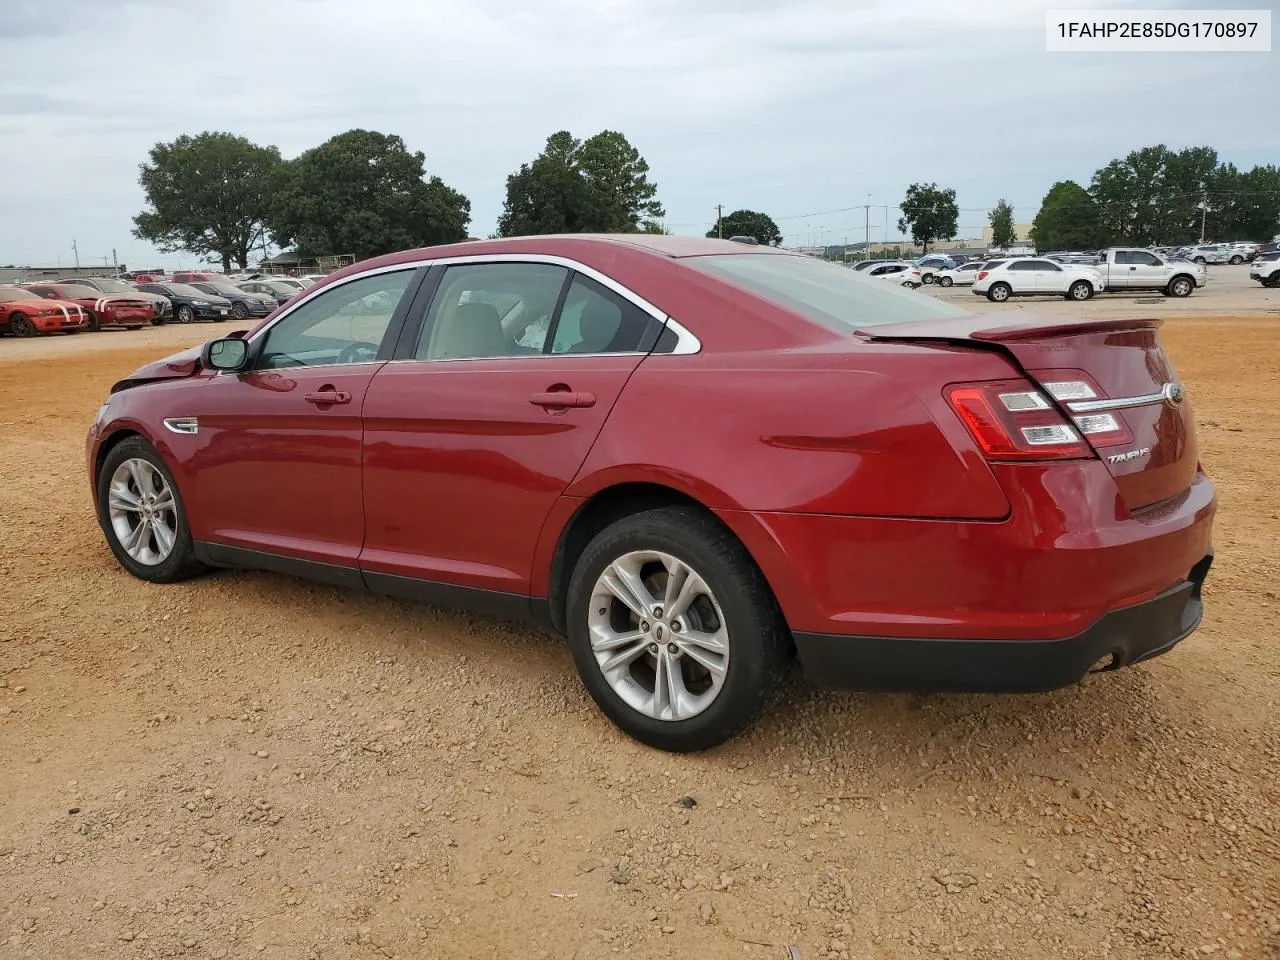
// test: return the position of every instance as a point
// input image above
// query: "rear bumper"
(1127, 635)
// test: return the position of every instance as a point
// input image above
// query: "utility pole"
(115, 262)
(77, 253)
(866, 226)
(720, 220)
(886, 226)
(1204, 208)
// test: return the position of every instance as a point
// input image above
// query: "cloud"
(789, 108)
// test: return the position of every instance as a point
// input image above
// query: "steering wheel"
(357, 352)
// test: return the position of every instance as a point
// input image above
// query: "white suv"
(1266, 269)
(1032, 276)
(960, 276)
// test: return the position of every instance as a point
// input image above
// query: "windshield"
(75, 291)
(839, 299)
(184, 290)
(114, 286)
(279, 286)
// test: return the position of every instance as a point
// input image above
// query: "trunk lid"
(1124, 364)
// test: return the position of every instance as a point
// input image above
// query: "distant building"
(25, 274)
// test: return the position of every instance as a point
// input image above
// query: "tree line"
(1160, 196)
(221, 196)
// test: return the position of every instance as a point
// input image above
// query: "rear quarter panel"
(850, 428)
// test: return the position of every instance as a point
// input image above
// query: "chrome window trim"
(686, 342)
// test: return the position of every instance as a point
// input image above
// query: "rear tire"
(722, 604)
(1180, 287)
(945, 282)
(1198, 260)
(21, 326)
(1236, 258)
(927, 278)
(128, 461)
(1080, 290)
(999, 292)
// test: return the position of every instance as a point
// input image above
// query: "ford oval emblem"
(1173, 394)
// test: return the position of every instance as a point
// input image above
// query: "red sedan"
(23, 314)
(695, 459)
(104, 310)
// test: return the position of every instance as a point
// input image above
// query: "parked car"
(187, 276)
(1210, 253)
(112, 310)
(931, 264)
(1241, 252)
(1128, 268)
(1266, 268)
(863, 264)
(902, 273)
(114, 287)
(23, 313)
(243, 303)
(282, 292)
(1265, 248)
(971, 514)
(294, 282)
(190, 304)
(961, 276)
(1033, 276)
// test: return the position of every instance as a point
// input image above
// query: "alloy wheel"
(142, 511)
(658, 635)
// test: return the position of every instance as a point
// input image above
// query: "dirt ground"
(248, 765)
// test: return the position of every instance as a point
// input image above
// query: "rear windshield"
(836, 297)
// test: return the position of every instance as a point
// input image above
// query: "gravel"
(284, 769)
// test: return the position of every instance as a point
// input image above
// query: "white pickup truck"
(1128, 268)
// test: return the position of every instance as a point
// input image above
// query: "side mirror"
(229, 353)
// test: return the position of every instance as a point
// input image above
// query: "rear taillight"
(1012, 420)
(1101, 429)
(982, 274)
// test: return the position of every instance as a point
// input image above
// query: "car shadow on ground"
(891, 736)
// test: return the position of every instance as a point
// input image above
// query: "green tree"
(1153, 195)
(1001, 219)
(748, 223)
(600, 185)
(1068, 220)
(929, 213)
(363, 193)
(207, 195)
(1243, 206)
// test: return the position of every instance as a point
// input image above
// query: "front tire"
(21, 326)
(142, 515)
(1080, 290)
(185, 314)
(945, 282)
(1181, 287)
(999, 292)
(239, 310)
(675, 633)
(1199, 260)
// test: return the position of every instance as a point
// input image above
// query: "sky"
(802, 109)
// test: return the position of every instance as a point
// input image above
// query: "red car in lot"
(23, 314)
(695, 459)
(104, 310)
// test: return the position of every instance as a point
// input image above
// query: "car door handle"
(563, 398)
(328, 396)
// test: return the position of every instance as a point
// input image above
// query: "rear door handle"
(324, 397)
(563, 398)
